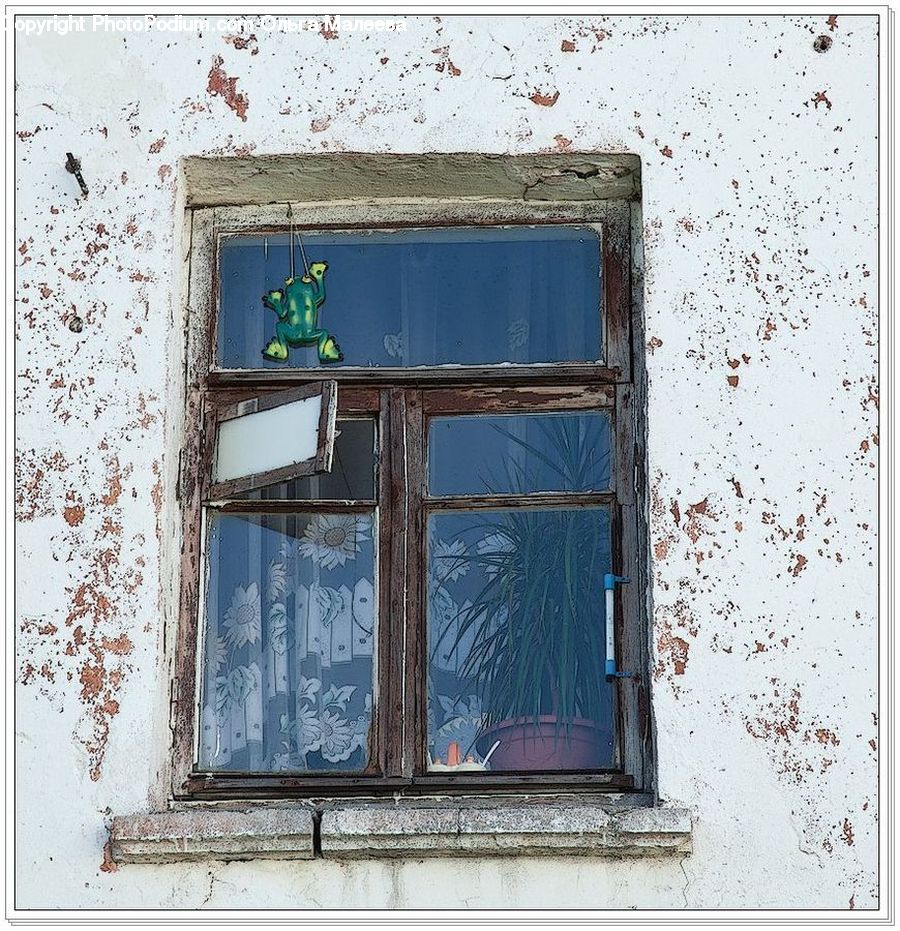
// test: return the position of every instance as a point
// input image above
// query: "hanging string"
(303, 254)
(290, 216)
(295, 234)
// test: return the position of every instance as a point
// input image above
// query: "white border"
(485, 918)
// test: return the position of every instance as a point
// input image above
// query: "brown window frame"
(402, 400)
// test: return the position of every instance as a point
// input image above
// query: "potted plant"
(536, 626)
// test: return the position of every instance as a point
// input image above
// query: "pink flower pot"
(526, 745)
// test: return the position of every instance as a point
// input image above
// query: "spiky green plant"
(537, 623)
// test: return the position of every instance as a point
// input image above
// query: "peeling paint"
(544, 99)
(221, 85)
(108, 865)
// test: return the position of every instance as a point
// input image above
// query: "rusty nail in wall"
(73, 166)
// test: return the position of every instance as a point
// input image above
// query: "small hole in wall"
(822, 43)
(76, 324)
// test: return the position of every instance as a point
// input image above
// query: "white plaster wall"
(759, 160)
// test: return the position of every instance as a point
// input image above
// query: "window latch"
(609, 584)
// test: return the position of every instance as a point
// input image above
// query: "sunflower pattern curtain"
(288, 656)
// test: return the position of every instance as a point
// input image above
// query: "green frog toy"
(297, 307)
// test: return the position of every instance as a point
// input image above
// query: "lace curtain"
(288, 657)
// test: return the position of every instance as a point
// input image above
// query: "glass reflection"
(518, 454)
(467, 296)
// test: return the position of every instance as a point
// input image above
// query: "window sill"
(210, 833)
(363, 830)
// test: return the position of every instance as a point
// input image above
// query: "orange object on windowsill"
(453, 757)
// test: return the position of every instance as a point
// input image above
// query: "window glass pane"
(352, 475)
(516, 645)
(471, 296)
(518, 454)
(288, 656)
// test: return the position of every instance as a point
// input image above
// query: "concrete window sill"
(213, 834)
(360, 830)
(522, 830)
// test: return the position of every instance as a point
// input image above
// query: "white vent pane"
(268, 440)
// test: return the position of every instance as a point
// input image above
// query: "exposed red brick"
(221, 85)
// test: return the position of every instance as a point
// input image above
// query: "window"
(393, 577)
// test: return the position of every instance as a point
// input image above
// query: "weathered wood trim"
(385, 738)
(536, 398)
(352, 399)
(560, 176)
(616, 244)
(248, 786)
(183, 697)
(416, 647)
(272, 399)
(291, 506)
(536, 501)
(551, 373)
(395, 646)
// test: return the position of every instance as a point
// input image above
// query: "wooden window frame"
(402, 400)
